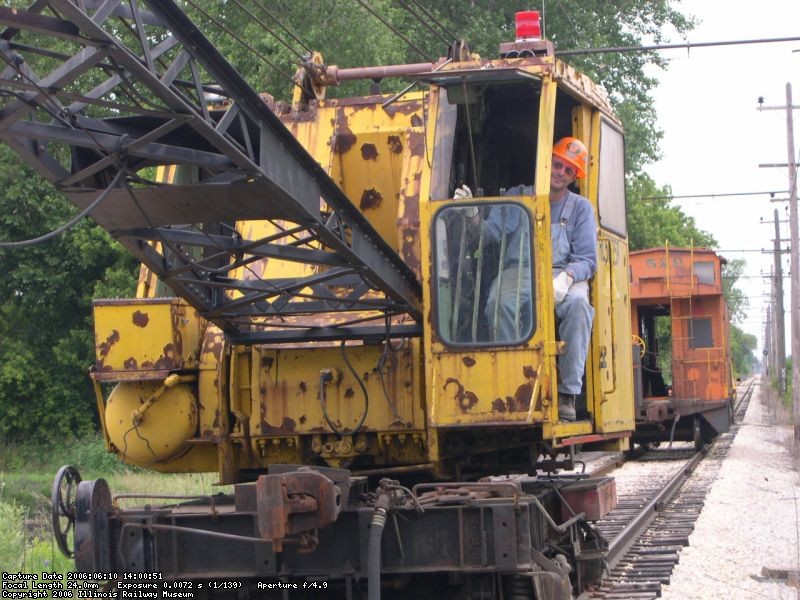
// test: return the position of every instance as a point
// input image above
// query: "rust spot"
(369, 152)
(303, 387)
(130, 364)
(344, 138)
(464, 398)
(140, 319)
(349, 393)
(170, 359)
(523, 396)
(287, 426)
(411, 249)
(511, 404)
(105, 347)
(303, 419)
(371, 198)
(498, 405)
(404, 108)
(416, 143)
(342, 142)
(416, 121)
(468, 361)
(266, 362)
(529, 372)
(395, 145)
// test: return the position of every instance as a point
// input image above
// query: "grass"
(27, 542)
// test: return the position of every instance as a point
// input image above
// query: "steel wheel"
(65, 487)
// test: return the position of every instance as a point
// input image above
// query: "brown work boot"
(566, 407)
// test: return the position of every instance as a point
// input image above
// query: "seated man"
(574, 244)
(574, 238)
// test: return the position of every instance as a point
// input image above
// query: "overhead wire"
(394, 30)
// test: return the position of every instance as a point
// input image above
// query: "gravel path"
(750, 519)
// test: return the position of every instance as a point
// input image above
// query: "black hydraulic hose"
(376, 527)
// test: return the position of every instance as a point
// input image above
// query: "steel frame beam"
(133, 91)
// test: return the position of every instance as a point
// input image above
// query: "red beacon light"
(529, 26)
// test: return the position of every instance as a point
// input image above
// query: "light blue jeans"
(575, 316)
(514, 306)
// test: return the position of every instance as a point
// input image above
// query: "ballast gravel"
(750, 518)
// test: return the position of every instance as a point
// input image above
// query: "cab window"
(483, 274)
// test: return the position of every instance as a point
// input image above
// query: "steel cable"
(424, 22)
(394, 30)
(68, 224)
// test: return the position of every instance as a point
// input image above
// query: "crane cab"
(495, 123)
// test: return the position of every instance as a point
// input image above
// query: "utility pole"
(769, 358)
(794, 265)
(780, 340)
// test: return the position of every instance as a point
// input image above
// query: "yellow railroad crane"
(310, 295)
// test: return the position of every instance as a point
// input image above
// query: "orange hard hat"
(572, 151)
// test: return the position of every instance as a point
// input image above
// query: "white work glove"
(561, 285)
(462, 193)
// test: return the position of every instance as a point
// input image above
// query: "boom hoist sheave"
(159, 93)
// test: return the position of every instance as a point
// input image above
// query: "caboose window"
(704, 271)
(700, 333)
(483, 274)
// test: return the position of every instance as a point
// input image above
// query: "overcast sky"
(715, 138)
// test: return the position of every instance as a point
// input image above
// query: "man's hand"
(462, 192)
(561, 285)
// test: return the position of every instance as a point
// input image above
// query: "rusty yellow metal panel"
(609, 373)
(497, 385)
(145, 335)
(286, 399)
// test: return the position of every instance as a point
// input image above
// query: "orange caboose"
(683, 380)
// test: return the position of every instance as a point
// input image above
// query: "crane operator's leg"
(575, 316)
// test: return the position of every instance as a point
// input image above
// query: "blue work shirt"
(508, 220)
(581, 232)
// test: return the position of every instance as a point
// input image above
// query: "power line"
(674, 197)
(688, 45)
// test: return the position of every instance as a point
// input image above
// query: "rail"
(639, 523)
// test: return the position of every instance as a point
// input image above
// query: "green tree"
(743, 346)
(652, 222)
(45, 304)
